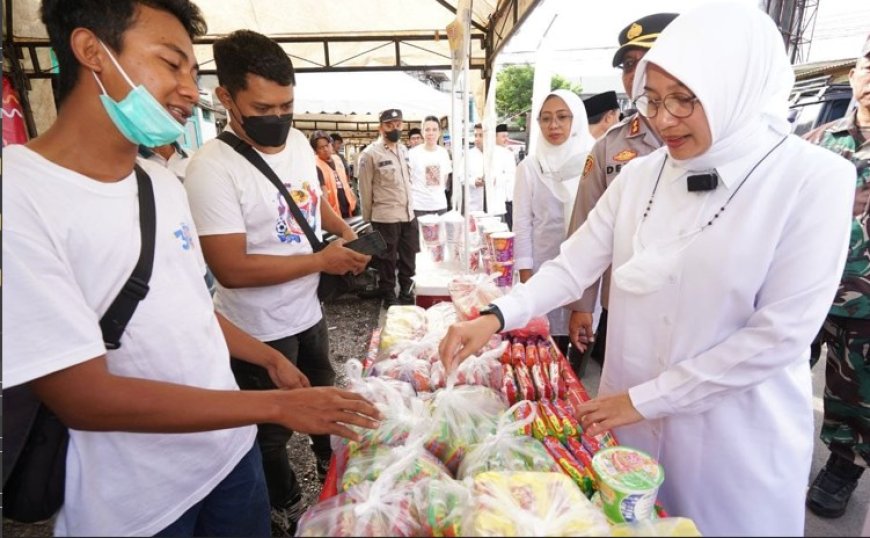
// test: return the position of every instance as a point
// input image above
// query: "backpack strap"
(116, 318)
(245, 150)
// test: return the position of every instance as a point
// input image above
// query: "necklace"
(728, 201)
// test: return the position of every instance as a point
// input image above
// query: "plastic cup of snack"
(504, 272)
(436, 252)
(629, 481)
(454, 229)
(472, 221)
(432, 230)
(474, 261)
(503, 246)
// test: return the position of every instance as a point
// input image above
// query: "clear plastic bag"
(440, 505)
(462, 416)
(471, 293)
(531, 504)
(409, 463)
(508, 449)
(369, 509)
(484, 370)
(404, 323)
(407, 368)
(666, 526)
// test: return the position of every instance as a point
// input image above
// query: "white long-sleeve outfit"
(539, 225)
(716, 360)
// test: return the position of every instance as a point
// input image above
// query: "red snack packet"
(590, 443)
(541, 387)
(569, 422)
(506, 356)
(531, 353)
(518, 352)
(569, 464)
(553, 422)
(524, 382)
(582, 455)
(522, 412)
(509, 385)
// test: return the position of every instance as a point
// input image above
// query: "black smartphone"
(370, 244)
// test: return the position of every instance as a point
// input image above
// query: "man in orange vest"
(332, 176)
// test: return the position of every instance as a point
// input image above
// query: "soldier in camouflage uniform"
(630, 138)
(846, 428)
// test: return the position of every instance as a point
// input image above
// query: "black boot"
(389, 299)
(830, 492)
(406, 296)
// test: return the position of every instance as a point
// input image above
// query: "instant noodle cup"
(436, 252)
(503, 246)
(505, 272)
(432, 229)
(629, 481)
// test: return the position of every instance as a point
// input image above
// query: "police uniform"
(386, 200)
(627, 140)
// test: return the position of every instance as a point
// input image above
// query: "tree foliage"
(513, 91)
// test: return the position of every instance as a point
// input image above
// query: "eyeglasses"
(558, 119)
(678, 105)
(628, 65)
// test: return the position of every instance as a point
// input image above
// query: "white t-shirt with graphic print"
(228, 195)
(69, 244)
(429, 171)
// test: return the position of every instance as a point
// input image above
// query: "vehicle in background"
(821, 94)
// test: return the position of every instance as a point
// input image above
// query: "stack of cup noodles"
(433, 230)
(502, 264)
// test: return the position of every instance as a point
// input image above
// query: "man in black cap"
(385, 197)
(630, 138)
(602, 110)
(846, 331)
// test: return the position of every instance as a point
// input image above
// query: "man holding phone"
(267, 273)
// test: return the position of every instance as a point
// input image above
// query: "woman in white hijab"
(717, 292)
(546, 184)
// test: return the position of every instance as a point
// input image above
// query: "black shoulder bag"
(34, 439)
(331, 286)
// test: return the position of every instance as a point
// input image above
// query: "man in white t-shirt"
(266, 269)
(160, 435)
(430, 171)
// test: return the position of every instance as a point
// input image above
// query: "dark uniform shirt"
(844, 138)
(626, 140)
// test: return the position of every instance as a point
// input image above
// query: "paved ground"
(852, 522)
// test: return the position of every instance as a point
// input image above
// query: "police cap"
(391, 114)
(641, 34)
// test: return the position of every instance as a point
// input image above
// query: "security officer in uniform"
(630, 138)
(846, 331)
(385, 195)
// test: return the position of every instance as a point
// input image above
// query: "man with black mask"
(267, 273)
(386, 200)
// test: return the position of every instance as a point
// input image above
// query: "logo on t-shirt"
(433, 175)
(288, 230)
(183, 234)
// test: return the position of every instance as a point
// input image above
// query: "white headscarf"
(732, 57)
(561, 166)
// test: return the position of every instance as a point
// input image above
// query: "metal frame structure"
(796, 20)
(23, 55)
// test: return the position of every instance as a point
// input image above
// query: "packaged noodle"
(524, 382)
(570, 466)
(461, 416)
(439, 506)
(554, 423)
(531, 504)
(369, 509)
(509, 385)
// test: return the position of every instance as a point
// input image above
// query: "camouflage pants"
(846, 428)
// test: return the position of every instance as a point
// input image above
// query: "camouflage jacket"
(844, 138)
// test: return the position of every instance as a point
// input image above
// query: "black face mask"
(393, 136)
(268, 131)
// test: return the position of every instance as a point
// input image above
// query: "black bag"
(331, 286)
(34, 439)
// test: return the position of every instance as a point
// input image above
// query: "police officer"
(385, 194)
(630, 138)
(846, 331)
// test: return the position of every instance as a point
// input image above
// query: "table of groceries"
(492, 448)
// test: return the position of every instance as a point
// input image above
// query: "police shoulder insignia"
(633, 31)
(590, 160)
(624, 156)
(635, 127)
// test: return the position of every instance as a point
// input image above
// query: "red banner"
(14, 129)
